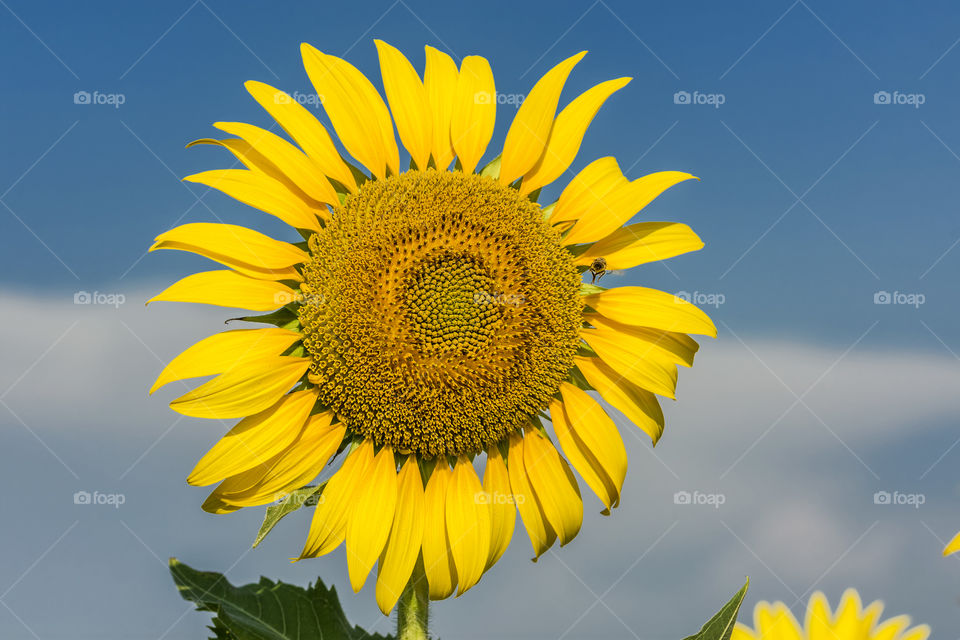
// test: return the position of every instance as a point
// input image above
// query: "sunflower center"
(440, 312)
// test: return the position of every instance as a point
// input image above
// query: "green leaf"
(720, 626)
(304, 497)
(267, 610)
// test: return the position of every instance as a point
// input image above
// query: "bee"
(597, 269)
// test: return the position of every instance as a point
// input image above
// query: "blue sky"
(813, 199)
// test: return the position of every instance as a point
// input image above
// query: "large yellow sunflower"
(429, 318)
(851, 621)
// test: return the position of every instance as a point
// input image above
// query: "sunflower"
(429, 319)
(851, 621)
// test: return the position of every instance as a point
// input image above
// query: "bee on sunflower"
(429, 319)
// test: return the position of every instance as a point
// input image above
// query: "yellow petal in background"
(468, 524)
(224, 351)
(332, 513)
(305, 129)
(586, 189)
(474, 111)
(256, 439)
(641, 243)
(260, 191)
(372, 517)
(596, 430)
(644, 307)
(503, 512)
(554, 485)
(357, 111)
(530, 129)
(582, 458)
(440, 78)
(567, 134)
(294, 164)
(542, 535)
(298, 465)
(247, 251)
(638, 405)
(228, 289)
(953, 546)
(408, 103)
(243, 391)
(438, 561)
(619, 205)
(406, 536)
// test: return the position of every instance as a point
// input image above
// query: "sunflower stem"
(413, 605)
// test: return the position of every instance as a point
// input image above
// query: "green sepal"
(548, 210)
(303, 497)
(285, 318)
(588, 289)
(492, 170)
(267, 610)
(720, 626)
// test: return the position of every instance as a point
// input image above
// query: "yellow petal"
(305, 130)
(917, 633)
(644, 370)
(225, 351)
(256, 438)
(260, 191)
(503, 512)
(776, 621)
(530, 129)
(329, 525)
(667, 346)
(474, 111)
(294, 164)
(408, 103)
(554, 485)
(638, 405)
(406, 536)
(641, 243)
(567, 134)
(244, 250)
(819, 618)
(587, 189)
(596, 430)
(243, 391)
(468, 524)
(542, 535)
(297, 466)
(582, 458)
(372, 517)
(644, 307)
(228, 289)
(893, 629)
(438, 561)
(620, 204)
(356, 110)
(440, 81)
(953, 546)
